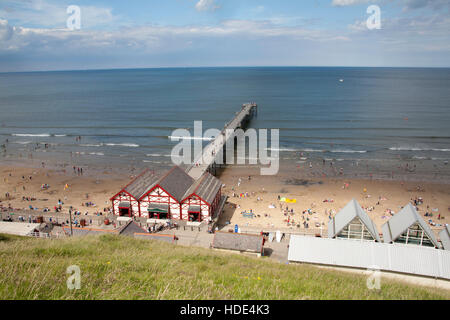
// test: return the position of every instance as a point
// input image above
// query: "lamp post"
(70, 222)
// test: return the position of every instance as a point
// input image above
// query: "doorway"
(156, 214)
(194, 216)
(124, 212)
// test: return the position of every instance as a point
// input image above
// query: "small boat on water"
(341, 80)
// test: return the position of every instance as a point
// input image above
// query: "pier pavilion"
(171, 195)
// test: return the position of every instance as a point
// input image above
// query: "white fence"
(412, 259)
(44, 235)
(286, 231)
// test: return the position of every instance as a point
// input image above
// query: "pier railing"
(203, 161)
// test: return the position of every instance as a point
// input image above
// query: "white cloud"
(275, 40)
(54, 14)
(422, 33)
(206, 5)
(432, 4)
(149, 38)
(343, 3)
(406, 4)
(6, 31)
(258, 9)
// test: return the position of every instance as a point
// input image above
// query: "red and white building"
(202, 199)
(172, 195)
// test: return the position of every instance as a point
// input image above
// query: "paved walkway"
(191, 238)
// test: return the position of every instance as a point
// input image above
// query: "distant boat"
(341, 80)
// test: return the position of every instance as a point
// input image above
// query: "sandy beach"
(319, 198)
(72, 189)
(316, 198)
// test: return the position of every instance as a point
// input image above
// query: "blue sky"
(179, 33)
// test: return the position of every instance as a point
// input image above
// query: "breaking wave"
(418, 149)
(158, 155)
(91, 145)
(348, 151)
(131, 145)
(31, 134)
(190, 138)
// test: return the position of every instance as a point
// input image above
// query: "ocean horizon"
(220, 67)
(128, 115)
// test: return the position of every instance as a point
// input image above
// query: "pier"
(206, 161)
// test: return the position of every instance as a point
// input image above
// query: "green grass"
(114, 267)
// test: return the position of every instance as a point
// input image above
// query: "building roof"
(351, 211)
(444, 235)
(206, 188)
(18, 228)
(142, 183)
(418, 260)
(131, 228)
(176, 182)
(401, 221)
(238, 241)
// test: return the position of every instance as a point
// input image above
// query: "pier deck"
(204, 160)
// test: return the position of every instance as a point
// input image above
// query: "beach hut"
(352, 222)
(444, 235)
(201, 200)
(408, 227)
(162, 200)
(238, 241)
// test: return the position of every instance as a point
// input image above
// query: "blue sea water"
(127, 115)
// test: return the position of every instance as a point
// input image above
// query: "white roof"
(444, 235)
(193, 223)
(18, 228)
(158, 220)
(346, 215)
(401, 221)
(412, 259)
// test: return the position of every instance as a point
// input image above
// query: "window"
(415, 235)
(355, 230)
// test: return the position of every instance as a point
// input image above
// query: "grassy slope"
(114, 267)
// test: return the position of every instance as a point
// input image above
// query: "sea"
(126, 117)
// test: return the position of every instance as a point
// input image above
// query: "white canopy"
(123, 219)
